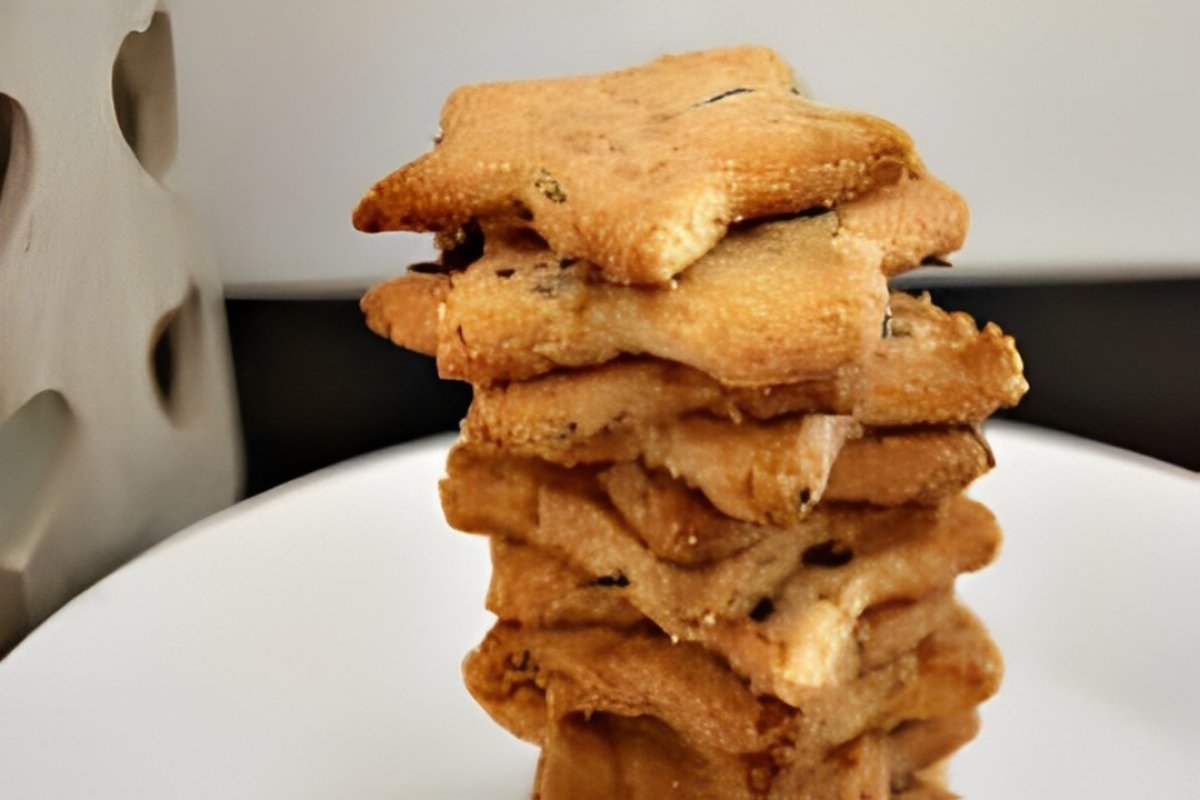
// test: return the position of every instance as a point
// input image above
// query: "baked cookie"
(607, 756)
(529, 678)
(784, 612)
(489, 492)
(776, 472)
(533, 586)
(932, 367)
(406, 308)
(767, 471)
(778, 302)
(720, 466)
(759, 606)
(641, 171)
(892, 466)
(758, 472)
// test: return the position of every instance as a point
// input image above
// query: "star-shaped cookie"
(640, 171)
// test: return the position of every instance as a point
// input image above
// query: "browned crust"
(908, 465)
(806, 635)
(910, 221)
(633, 170)
(603, 756)
(935, 368)
(781, 302)
(532, 587)
(527, 678)
(405, 310)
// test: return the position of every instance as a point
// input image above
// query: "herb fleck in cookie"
(641, 171)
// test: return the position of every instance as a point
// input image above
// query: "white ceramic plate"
(306, 644)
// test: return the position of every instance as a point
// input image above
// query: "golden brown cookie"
(919, 747)
(601, 415)
(887, 630)
(676, 523)
(891, 466)
(610, 757)
(757, 472)
(528, 678)
(568, 414)
(784, 611)
(640, 171)
(532, 586)
(911, 221)
(489, 492)
(776, 472)
(774, 303)
(933, 367)
(405, 309)
(936, 366)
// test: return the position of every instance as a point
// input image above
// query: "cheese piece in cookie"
(640, 171)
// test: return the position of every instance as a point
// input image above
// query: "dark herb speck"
(548, 186)
(468, 248)
(427, 268)
(829, 554)
(521, 211)
(724, 94)
(762, 610)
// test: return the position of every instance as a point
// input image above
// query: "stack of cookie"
(720, 463)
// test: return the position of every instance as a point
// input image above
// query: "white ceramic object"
(117, 417)
(306, 644)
